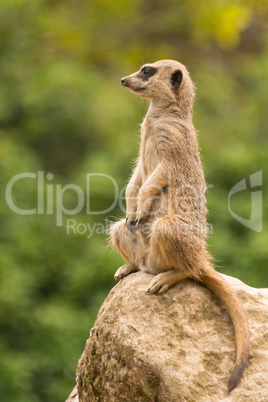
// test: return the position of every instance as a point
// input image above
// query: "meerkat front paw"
(124, 271)
(142, 217)
(131, 223)
(140, 221)
(131, 218)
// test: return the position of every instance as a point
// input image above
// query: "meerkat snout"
(123, 81)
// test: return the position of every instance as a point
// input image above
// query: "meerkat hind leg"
(163, 281)
(124, 271)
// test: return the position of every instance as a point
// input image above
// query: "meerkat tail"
(218, 285)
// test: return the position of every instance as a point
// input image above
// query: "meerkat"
(164, 232)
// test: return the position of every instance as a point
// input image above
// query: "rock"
(73, 397)
(178, 346)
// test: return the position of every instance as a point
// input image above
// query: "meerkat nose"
(123, 80)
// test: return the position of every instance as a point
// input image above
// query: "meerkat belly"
(150, 158)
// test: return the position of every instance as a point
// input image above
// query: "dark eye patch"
(147, 72)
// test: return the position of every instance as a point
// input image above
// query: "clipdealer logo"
(50, 200)
(255, 220)
(50, 196)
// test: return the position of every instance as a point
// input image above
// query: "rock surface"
(73, 397)
(178, 346)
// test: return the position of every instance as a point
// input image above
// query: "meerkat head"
(164, 80)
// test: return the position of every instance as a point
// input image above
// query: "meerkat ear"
(176, 79)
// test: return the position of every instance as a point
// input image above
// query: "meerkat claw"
(140, 222)
(131, 223)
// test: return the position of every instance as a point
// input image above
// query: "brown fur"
(165, 228)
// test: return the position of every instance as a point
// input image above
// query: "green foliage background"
(63, 111)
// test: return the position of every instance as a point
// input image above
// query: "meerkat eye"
(147, 72)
